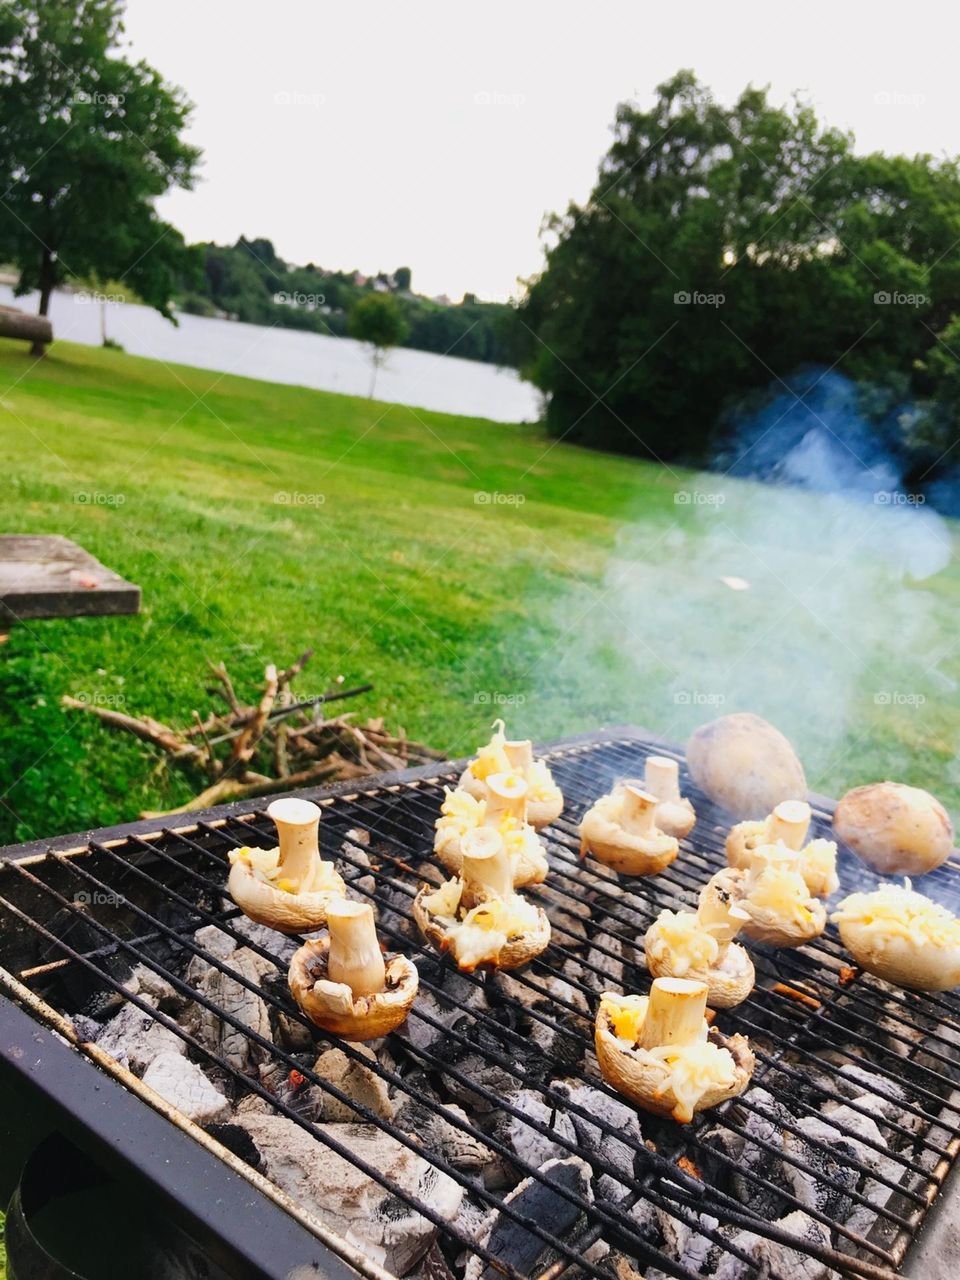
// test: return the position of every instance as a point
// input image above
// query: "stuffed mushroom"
(504, 809)
(342, 981)
(788, 825)
(477, 916)
(620, 830)
(774, 896)
(290, 887)
(700, 946)
(659, 1051)
(505, 755)
(901, 936)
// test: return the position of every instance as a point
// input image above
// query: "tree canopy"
(725, 248)
(88, 141)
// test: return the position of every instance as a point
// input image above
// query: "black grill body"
(77, 913)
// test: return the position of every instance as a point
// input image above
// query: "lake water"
(417, 378)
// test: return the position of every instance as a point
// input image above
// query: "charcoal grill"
(77, 913)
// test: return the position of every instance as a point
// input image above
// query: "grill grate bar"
(248, 1082)
(671, 1172)
(400, 820)
(689, 887)
(675, 1175)
(716, 837)
(475, 1086)
(589, 992)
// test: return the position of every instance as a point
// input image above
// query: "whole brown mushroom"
(895, 829)
(745, 765)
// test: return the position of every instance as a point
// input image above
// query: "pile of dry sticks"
(278, 743)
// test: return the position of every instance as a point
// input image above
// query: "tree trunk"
(48, 277)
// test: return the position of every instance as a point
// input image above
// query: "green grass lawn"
(262, 519)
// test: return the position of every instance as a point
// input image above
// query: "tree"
(724, 248)
(88, 141)
(377, 320)
(402, 279)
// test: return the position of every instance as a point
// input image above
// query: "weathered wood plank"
(47, 576)
(15, 323)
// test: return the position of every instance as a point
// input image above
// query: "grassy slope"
(595, 600)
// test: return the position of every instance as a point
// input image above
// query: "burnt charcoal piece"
(238, 1141)
(243, 1005)
(528, 1144)
(512, 1243)
(133, 1037)
(595, 1142)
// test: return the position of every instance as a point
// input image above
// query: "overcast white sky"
(377, 133)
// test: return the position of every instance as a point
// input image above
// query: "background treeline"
(725, 253)
(248, 281)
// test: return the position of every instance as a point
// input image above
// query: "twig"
(212, 761)
(232, 789)
(145, 728)
(220, 671)
(279, 713)
(246, 743)
(294, 669)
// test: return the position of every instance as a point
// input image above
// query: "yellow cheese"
(626, 1014)
(897, 911)
(446, 900)
(460, 811)
(783, 893)
(694, 1069)
(679, 938)
(486, 929)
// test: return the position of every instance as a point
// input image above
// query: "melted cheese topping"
(679, 937)
(897, 911)
(460, 812)
(540, 781)
(265, 866)
(694, 1069)
(492, 758)
(446, 900)
(486, 929)
(783, 893)
(819, 867)
(626, 1014)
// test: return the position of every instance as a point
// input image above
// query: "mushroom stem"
(661, 777)
(789, 824)
(675, 1013)
(355, 957)
(487, 871)
(639, 810)
(718, 913)
(771, 857)
(506, 798)
(520, 754)
(297, 823)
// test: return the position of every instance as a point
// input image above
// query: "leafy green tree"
(377, 320)
(88, 140)
(722, 249)
(402, 279)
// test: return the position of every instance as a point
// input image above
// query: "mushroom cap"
(896, 829)
(777, 930)
(640, 1077)
(333, 1006)
(676, 818)
(285, 912)
(634, 855)
(745, 764)
(924, 958)
(515, 952)
(729, 980)
(541, 811)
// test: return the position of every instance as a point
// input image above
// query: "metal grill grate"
(808, 1016)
